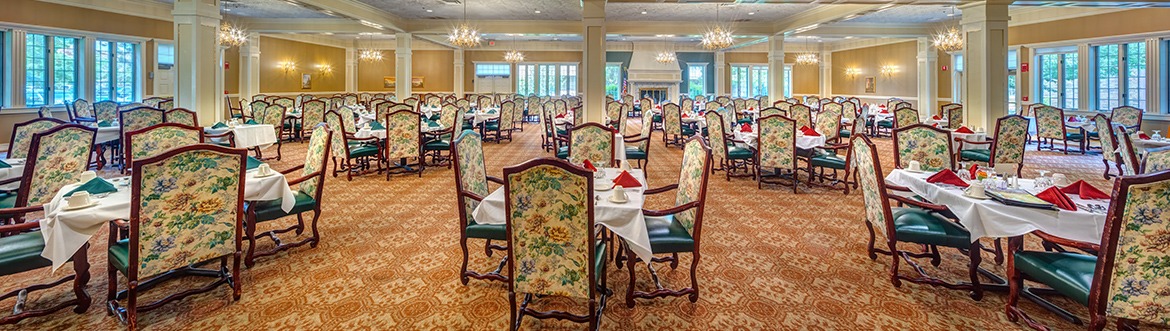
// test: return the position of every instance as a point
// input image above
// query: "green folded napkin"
(376, 126)
(219, 125)
(4, 164)
(432, 123)
(491, 111)
(94, 186)
(105, 124)
(251, 121)
(435, 117)
(253, 163)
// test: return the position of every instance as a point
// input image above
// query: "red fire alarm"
(944, 68)
(1025, 98)
(492, 43)
(1023, 67)
(227, 65)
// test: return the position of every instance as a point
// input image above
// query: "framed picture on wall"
(416, 82)
(870, 84)
(306, 81)
(389, 82)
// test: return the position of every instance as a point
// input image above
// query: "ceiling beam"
(821, 15)
(148, 9)
(498, 26)
(872, 30)
(364, 13)
(303, 25)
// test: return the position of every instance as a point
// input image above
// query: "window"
(166, 56)
(613, 79)
(551, 79)
(568, 84)
(787, 81)
(1058, 79)
(1135, 75)
(36, 70)
(1012, 64)
(957, 79)
(696, 79)
(493, 69)
(526, 79)
(1108, 85)
(51, 69)
(64, 69)
(749, 81)
(1120, 75)
(115, 71)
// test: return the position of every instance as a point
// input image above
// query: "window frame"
(115, 72)
(751, 69)
(1122, 79)
(702, 78)
(1063, 87)
(549, 82)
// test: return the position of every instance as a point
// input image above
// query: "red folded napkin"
(973, 170)
(946, 176)
(684, 115)
(964, 129)
(626, 180)
(885, 111)
(936, 117)
(1056, 197)
(1085, 190)
(589, 165)
(808, 131)
(1072, 119)
(560, 116)
(1144, 136)
(745, 128)
(935, 125)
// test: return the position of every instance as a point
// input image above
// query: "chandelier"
(231, 36)
(807, 59)
(949, 41)
(666, 57)
(464, 36)
(370, 55)
(514, 56)
(717, 37)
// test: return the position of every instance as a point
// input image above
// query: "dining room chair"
(613, 112)
(357, 154)
(1108, 142)
(106, 111)
(752, 103)
(350, 99)
(403, 141)
(638, 146)
(181, 116)
(1050, 126)
(274, 115)
(312, 113)
(56, 156)
(594, 142)
(1125, 151)
(673, 130)
(154, 140)
(44, 112)
(21, 246)
(234, 111)
(553, 247)
(848, 112)
(153, 102)
(739, 116)
(471, 184)
(905, 116)
(257, 106)
(921, 225)
(1128, 116)
(22, 134)
(161, 242)
(560, 106)
(812, 101)
(167, 104)
(309, 189)
(776, 150)
(81, 111)
(502, 127)
(484, 102)
(772, 111)
(1007, 146)
(829, 121)
(726, 154)
(953, 113)
(676, 229)
(928, 145)
(1125, 280)
(1156, 160)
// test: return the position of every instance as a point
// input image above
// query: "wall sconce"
(852, 72)
(889, 70)
(325, 69)
(287, 67)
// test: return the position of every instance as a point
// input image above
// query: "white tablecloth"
(65, 231)
(479, 117)
(991, 219)
(107, 134)
(249, 135)
(16, 171)
(802, 141)
(977, 137)
(366, 133)
(624, 219)
(1140, 145)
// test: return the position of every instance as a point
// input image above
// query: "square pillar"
(198, 59)
(459, 83)
(351, 69)
(775, 68)
(927, 79)
(402, 66)
(985, 26)
(250, 67)
(593, 69)
(721, 77)
(826, 64)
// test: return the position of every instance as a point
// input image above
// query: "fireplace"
(657, 94)
(649, 78)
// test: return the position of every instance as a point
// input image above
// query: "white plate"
(975, 197)
(611, 199)
(90, 204)
(914, 171)
(602, 188)
(14, 161)
(258, 175)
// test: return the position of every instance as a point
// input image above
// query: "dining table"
(248, 135)
(973, 136)
(66, 230)
(749, 139)
(15, 170)
(623, 219)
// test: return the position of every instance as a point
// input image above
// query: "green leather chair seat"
(688, 131)
(1074, 136)
(270, 210)
(668, 236)
(563, 152)
(885, 124)
(362, 150)
(119, 255)
(491, 126)
(290, 126)
(487, 231)
(656, 118)
(1094, 134)
(8, 200)
(981, 155)
(844, 133)
(1068, 273)
(918, 226)
(598, 261)
(744, 120)
(468, 126)
(435, 117)
(827, 161)
(633, 153)
(739, 153)
(437, 145)
(22, 252)
(223, 143)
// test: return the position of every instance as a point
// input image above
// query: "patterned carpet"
(389, 260)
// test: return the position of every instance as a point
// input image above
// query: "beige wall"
(806, 79)
(274, 51)
(231, 74)
(903, 83)
(437, 68)
(370, 73)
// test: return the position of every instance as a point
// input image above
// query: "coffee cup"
(78, 199)
(1059, 179)
(915, 166)
(619, 193)
(264, 169)
(976, 190)
(87, 176)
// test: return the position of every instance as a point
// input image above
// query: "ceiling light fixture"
(751, 13)
(538, 12)
(368, 54)
(949, 40)
(666, 56)
(514, 56)
(807, 57)
(430, 10)
(464, 36)
(717, 37)
(231, 36)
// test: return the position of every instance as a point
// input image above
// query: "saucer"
(918, 171)
(258, 175)
(602, 188)
(90, 204)
(984, 197)
(611, 199)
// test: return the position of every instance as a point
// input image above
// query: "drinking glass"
(1157, 135)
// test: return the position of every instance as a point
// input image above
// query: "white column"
(593, 71)
(826, 64)
(1084, 69)
(351, 69)
(927, 78)
(1153, 83)
(402, 65)
(775, 68)
(198, 58)
(16, 91)
(89, 69)
(250, 67)
(985, 27)
(720, 73)
(458, 86)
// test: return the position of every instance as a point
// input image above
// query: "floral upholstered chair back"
(350, 99)
(905, 116)
(81, 108)
(801, 114)
(319, 149)
(469, 169)
(829, 120)
(647, 130)
(692, 183)
(1049, 122)
(412, 101)
(613, 111)
(551, 230)
(402, 134)
(189, 209)
(313, 112)
(1156, 160)
(1125, 150)
(777, 141)
(507, 115)
(848, 111)
(182, 116)
(44, 112)
(288, 104)
(22, 134)
(740, 104)
(716, 135)
(485, 102)
(712, 106)
(154, 141)
(256, 109)
(561, 106)
(106, 111)
(627, 99)
(1011, 134)
(723, 99)
(274, 115)
(869, 177)
(1131, 271)
(1108, 142)
(593, 142)
(447, 115)
(930, 146)
(431, 100)
(381, 109)
(57, 157)
(752, 104)
(337, 144)
(954, 115)
(792, 101)
(783, 105)
(140, 118)
(167, 104)
(772, 111)
(762, 101)
(671, 120)
(688, 105)
(1128, 116)
(812, 102)
(892, 103)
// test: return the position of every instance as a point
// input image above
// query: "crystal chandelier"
(370, 55)
(464, 36)
(717, 37)
(666, 57)
(231, 36)
(807, 59)
(949, 41)
(514, 56)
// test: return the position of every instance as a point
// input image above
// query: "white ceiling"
(266, 9)
(482, 9)
(908, 14)
(701, 12)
